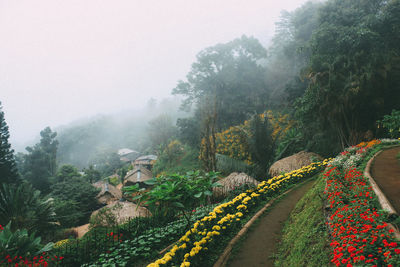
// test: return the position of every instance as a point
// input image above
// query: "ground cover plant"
(133, 251)
(304, 236)
(20, 248)
(206, 233)
(359, 232)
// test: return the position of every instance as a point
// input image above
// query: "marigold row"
(227, 216)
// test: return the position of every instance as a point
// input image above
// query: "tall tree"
(232, 75)
(40, 164)
(8, 169)
(290, 53)
(354, 71)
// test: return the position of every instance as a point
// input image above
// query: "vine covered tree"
(8, 169)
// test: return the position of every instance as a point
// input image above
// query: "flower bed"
(360, 235)
(12, 258)
(191, 249)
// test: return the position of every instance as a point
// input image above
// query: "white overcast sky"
(61, 60)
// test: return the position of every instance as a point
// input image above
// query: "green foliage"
(176, 158)
(8, 168)
(82, 197)
(39, 165)
(189, 131)
(305, 235)
(68, 212)
(290, 53)
(353, 76)
(176, 193)
(91, 175)
(228, 76)
(19, 243)
(146, 244)
(391, 123)
(260, 144)
(66, 173)
(23, 206)
(114, 180)
(288, 144)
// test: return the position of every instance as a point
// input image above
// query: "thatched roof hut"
(119, 211)
(137, 176)
(108, 193)
(293, 162)
(128, 155)
(146, 161)
(233, 181)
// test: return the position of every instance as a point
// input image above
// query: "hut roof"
(293, 162)
(126, 151)
(106, 188)
(134, 177)
(233, 181)
(148, 158)
(123, 211)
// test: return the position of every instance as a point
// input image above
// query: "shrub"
(18, 246)
(391, 123)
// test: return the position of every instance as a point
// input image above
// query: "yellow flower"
(216, 227)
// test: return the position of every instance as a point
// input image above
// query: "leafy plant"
(19, 243)
(24, 207)
(177, 193)
(147, 244)
(391, 123)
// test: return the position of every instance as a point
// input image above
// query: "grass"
(305, 236)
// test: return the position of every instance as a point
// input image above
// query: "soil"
(386, 173)
(260, 243)
(82, 230)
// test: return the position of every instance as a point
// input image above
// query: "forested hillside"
(329, 79)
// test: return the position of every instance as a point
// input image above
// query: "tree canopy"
(8, 168)
(229, 76)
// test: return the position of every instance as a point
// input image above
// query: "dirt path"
(386, 173)
(260, 243)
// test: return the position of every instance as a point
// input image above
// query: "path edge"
(383, 201)
(222, 260)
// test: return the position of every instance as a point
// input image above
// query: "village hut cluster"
(112, 197)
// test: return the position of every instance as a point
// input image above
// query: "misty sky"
(61, 60)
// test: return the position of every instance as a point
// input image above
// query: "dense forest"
(330, 79)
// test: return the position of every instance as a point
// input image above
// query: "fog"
(65, 60)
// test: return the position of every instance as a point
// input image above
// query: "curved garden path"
(386, 173)
(260, 242)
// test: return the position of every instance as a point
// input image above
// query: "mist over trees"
(329, 77)
(89, 142)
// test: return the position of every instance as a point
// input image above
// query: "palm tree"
(23, 206)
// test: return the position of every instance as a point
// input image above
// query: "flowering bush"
(233, 142)
(192, 247)
(20, 249)
(360, 235)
